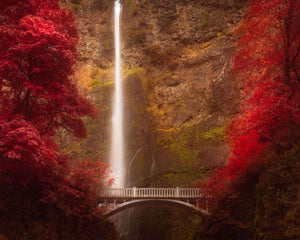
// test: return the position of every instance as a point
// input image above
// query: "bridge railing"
(153, 192)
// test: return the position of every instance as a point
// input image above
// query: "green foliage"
(133, 71)
(96, 83)
(175, 178)
(101, 79)
(76, 4)
(182, 144)
(76, 1)
(185, 142)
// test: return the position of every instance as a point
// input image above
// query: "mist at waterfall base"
(117, 142)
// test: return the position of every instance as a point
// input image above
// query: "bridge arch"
(167, 202)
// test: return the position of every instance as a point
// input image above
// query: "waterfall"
(117, 142)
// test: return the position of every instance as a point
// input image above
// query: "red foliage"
(37, 55)
(38, 50)
(76, 187)
(24, 154)
(268, 64)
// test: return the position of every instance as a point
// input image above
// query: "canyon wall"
(177, 58)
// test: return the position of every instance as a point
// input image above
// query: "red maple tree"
(268, 66)
(38, 50)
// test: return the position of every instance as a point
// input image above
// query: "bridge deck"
(141, 193)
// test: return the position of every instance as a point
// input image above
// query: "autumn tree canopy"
(268, 66)
(38, 52)
(43, 197)
(257, 193)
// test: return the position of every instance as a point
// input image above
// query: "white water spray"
(117, 143)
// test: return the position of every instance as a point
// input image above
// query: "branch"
(295, 36)
(296, 55)
(27, 96)
(20, 92)
(275, 59)
(297, 76)
(50, 123)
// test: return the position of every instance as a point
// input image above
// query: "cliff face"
(180, 91)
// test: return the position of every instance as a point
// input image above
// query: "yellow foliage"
(83, 75)
(206, 45)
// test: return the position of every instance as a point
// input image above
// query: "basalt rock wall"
(177, 59)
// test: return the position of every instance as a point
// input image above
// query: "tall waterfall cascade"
(117, 141)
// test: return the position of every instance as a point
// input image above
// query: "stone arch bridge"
(114, 200)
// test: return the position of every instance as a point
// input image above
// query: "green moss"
(76, 1)
(175, 178)
(96, 83)
(76, 4)
(133, 70)
(216, 133)
(181, 146)
(101, 78)
(76, 7)
(181, 141)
